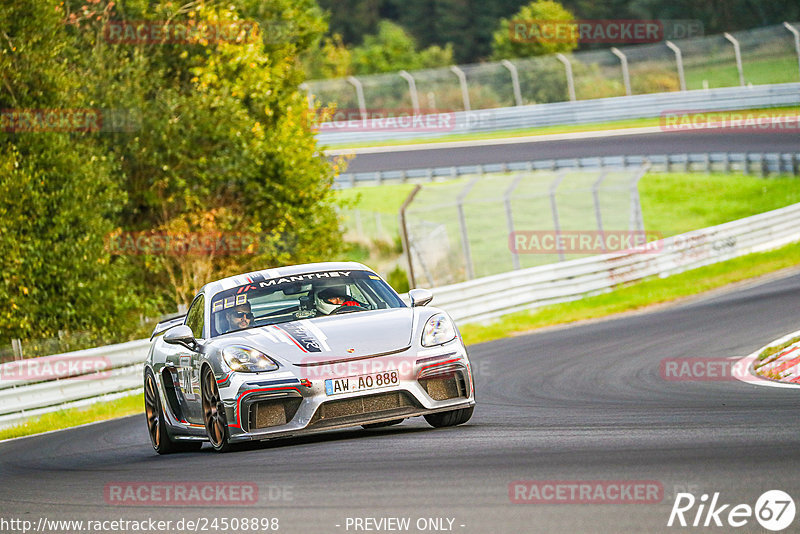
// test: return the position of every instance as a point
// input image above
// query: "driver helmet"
(332, 298)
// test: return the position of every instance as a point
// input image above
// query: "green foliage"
(508, 42)
(221, 143)
(398, 279)
(392, 49)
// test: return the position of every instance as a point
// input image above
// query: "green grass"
(679, 202)
(541, 130)
(70, 417)
(766, 71)
(672, 203)
(637, 296)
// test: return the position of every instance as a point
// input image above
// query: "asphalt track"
(579, 403)
(627, 145)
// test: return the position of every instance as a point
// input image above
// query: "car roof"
(215, 287)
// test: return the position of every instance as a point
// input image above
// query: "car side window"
(194, 318)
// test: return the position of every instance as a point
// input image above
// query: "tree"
(392, 49)
(58, 193)
(519, 36)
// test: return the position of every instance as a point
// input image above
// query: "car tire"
(451, 418)
(383, 424)
(214, 412)
(156, 424)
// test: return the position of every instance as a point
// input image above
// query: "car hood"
(335, 338)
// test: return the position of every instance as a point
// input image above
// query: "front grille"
(275, 412)
(340, 410)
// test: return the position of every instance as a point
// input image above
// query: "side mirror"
(420, 297)
(181, 335)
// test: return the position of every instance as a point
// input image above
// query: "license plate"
(354, 384)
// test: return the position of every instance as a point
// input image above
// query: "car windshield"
(301, 296)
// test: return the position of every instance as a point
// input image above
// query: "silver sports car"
(289, 351)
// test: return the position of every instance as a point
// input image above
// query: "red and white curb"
(786, 364)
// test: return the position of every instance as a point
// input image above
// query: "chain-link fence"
(760, 56)
(482, 225)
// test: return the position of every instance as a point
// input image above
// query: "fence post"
(462, 223)
(626, 77)
(636, 222)
(738, 52)
(570, 79)
(514, 80)
(796, 35)
(309, 97)
(16, 347)
(362, 104)
(554, 209)
(679, 62)
(412, 283)
(510, 218)
(462, 80)
(597, 214)
(412, 90)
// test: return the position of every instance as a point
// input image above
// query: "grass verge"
(70, 417)
(637, 295)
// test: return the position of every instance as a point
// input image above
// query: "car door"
(189, 368)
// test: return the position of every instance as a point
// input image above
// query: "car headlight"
(245, 359)
(439, 329)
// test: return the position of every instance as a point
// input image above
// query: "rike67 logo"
(774, 510)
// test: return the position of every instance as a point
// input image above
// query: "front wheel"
(451, 418)
(156, 424)
(214, 413)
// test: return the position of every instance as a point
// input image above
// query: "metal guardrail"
(475, 300)
(568, 113)
(37, 386)
(751, 162)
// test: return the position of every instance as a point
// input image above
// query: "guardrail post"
(462, 80)
(707, 162)
(554, 209)
(570, 79)
(738, 53)
(626, 77)
(412, 90)
(462, 223)
(597, 214)
(510, 216)
(796, 35)
(514, 80)
(795, 169)
(412, 283)
(679, 62)
(727, 168)
(16, 347)
(746, 164)
(764, 166)
(362, 104)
